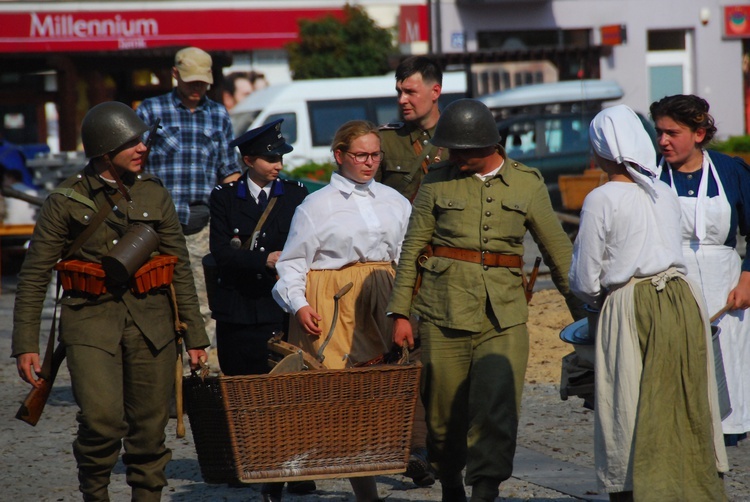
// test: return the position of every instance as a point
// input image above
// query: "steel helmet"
(107, 126)
(466, 123)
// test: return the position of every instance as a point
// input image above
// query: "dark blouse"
(734, 174)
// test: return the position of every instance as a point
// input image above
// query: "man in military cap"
(191, 153)
(120, 345)
(407, 158)
(408, 153)
(474, 211)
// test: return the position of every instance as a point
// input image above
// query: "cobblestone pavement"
(554, 461)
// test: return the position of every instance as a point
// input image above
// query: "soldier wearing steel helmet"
(474, 211)
(119, 344)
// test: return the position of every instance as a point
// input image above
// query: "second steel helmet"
(107, 126)
(466, 123)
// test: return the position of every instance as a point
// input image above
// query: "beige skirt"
(362, 331)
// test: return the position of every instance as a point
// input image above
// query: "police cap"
(263, 141)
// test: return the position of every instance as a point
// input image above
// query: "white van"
(314, 109)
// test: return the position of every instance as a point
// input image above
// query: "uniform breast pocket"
(451, 216)
(148, 214)
(80, 218)
(514, 216)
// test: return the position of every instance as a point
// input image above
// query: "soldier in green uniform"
(474, 211)
(407, 157)
(408, 153)
(120, 345)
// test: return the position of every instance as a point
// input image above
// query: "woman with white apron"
(657, 429)
(711, 189)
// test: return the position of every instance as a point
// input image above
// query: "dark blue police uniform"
(246, 315)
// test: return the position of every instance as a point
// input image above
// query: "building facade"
(652, 48)
(58, 58)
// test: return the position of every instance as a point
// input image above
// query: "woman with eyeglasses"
(349, 231)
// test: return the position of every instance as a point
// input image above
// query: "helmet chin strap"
(116, 177)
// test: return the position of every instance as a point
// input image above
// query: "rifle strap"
(98, 219)
(250, 243)
(46, 370)
(422, 162)
(47, 363)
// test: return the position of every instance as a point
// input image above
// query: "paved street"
(553, 463)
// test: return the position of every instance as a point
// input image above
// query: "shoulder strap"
(250, 243)
(46, 370)
(78, 197)
(98, 219)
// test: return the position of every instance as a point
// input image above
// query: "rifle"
(149, 142)
(17, 194)
(33, 405)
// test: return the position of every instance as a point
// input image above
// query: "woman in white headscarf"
(714, 194)
(657, 427)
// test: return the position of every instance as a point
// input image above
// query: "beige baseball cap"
(194, 65)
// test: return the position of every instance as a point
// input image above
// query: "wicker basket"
(303, 425)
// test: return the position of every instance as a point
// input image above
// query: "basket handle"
(203, 372)
(320, 357)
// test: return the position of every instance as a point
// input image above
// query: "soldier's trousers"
(471, 387)
(123, 401)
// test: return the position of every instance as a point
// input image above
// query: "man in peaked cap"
(191, 153)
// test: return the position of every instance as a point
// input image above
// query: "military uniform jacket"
(401, 167)
(244, 292)
(460, 210)
(99, 321)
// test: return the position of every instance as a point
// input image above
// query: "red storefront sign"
(76, 31)
(737, 21)
(413, 24)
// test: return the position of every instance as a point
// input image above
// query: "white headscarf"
(617, 134)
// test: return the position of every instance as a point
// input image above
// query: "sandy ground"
(37, 463)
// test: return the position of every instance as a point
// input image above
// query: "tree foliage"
(333, 48)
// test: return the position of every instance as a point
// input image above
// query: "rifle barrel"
(17, 194)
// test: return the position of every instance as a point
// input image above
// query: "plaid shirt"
(191, 152)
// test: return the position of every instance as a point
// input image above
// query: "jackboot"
(485, 490)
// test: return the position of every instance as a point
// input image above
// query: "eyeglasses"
(361, 158)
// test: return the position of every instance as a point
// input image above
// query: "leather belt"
(484, 258)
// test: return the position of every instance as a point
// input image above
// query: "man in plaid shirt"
(191, 154)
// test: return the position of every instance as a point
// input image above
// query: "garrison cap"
(264, 140)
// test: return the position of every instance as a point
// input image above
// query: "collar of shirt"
(492, 173)
(415, 133)
(177, 102)
(347, 186)
(255, 189)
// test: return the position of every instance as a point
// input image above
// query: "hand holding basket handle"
(336, 298)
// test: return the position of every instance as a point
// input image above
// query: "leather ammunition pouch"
(90, 278)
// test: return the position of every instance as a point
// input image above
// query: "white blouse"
(625, 233)
(342, 223)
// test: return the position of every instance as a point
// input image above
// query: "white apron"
(618, 368)
(716, 269)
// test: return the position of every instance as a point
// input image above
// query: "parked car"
(546, 126)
